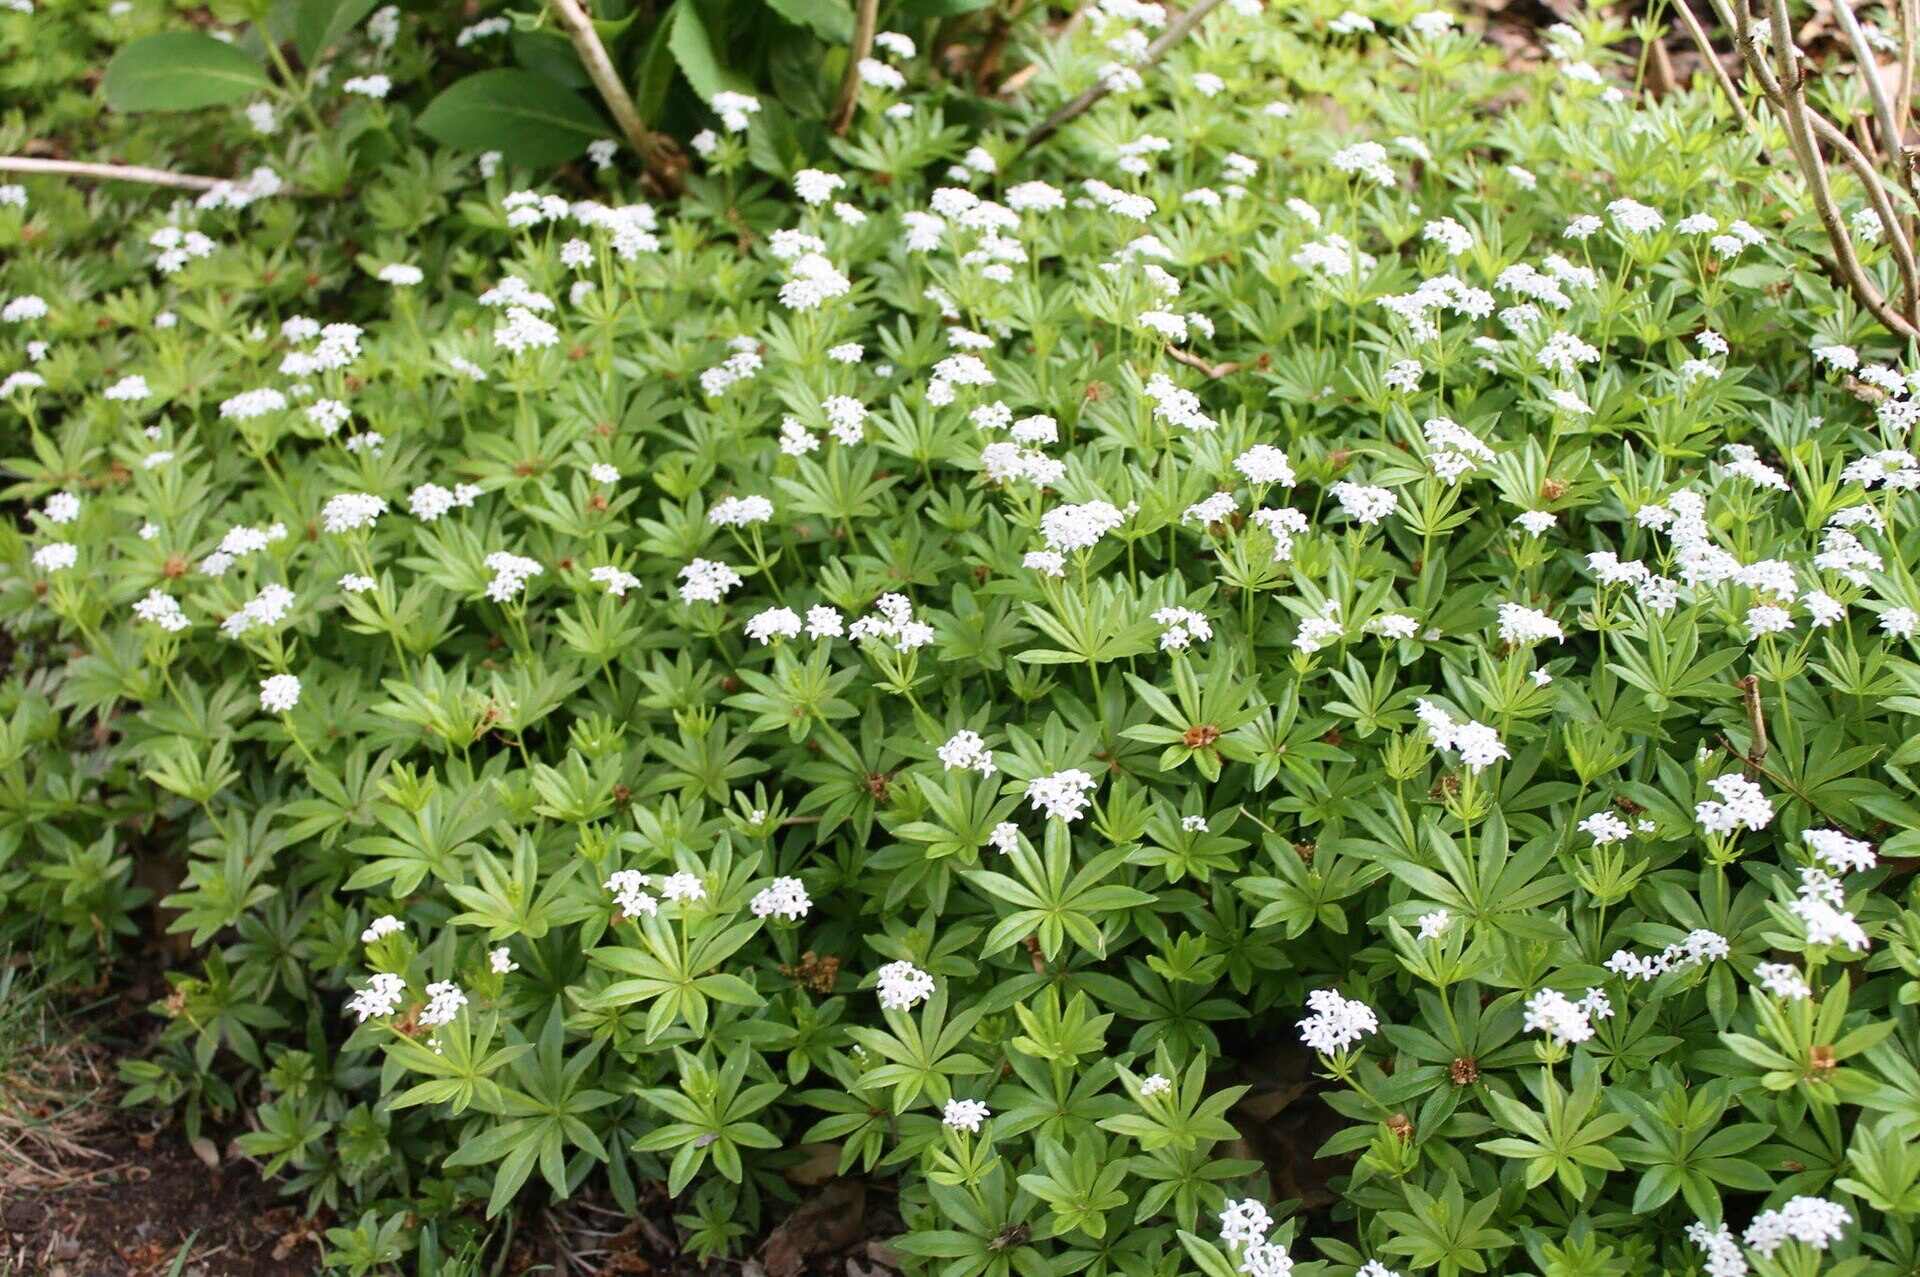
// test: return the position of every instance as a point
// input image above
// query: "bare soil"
(132, 1208)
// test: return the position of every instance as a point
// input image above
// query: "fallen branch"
(661, 156)
(108, 172)
(1213, 371)
(865, 18)
(1176, 31)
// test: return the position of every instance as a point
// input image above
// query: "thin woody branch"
(108, 172)
(655, 149)
(865, 18)
(1079, 105)
(1213, 371)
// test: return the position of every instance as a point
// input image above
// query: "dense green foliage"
(1352, 513)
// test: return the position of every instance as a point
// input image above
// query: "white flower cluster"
(629, 888)
(1064, 795)
(1523, 626)
(1177, 405)
(429, 501)
(511, 572)
(903, 986)
(1699, 945)
(380, 998)
(773, 623)
(782, 898)
(1478, 745)
(161, 609)
(964, 1115)
(1183, 627)
(740, 512)
(1283, 525)
(444, 1000)
(1337, 1022)
(967, 751)
(1820, 906)
(266, 609)
(1362, 503)
(1549, 1011)
(1452, 449)
(1811, 1221)
(1741, 806)
(707, 581)
(1244, 1226)
(891, 621)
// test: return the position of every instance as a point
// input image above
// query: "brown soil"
(129, 1211)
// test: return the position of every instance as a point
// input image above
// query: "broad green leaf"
(320, 24)
(692, 46)
(528, 118)
(180, 71)
(831, 20)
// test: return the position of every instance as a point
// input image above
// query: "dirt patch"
(130, 1210)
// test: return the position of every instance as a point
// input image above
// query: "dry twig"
(1079, 105)
(865, 18)
(657, 150)
(1784, 86)
(108, 172)
(1214, 371)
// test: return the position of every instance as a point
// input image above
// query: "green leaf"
(527, 117)
(550, 54)
(831, 20)
(320, 24)
(180, 71)
(922, 10)
(692, 48)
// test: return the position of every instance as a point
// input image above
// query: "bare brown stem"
(1903, 92)
(1756, 720)
(865, 17)
(655, 149)
(1869, 68)
(1789, 93)
(1712, 59)
(1784, 87)
(1213, 371)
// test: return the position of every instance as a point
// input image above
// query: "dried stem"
(1876, 188)
(108, 172)
(865, 18)
(1890, 132)
(656, 149)
(1903, 92)
(1785, 88)
(1079, 105)
(1213, 371)
(1756, 720)
(1712, 59)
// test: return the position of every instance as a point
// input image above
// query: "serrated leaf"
(831, 20)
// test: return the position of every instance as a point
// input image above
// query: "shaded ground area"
(136, 1201)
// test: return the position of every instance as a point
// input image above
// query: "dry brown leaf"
(833, 1219)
